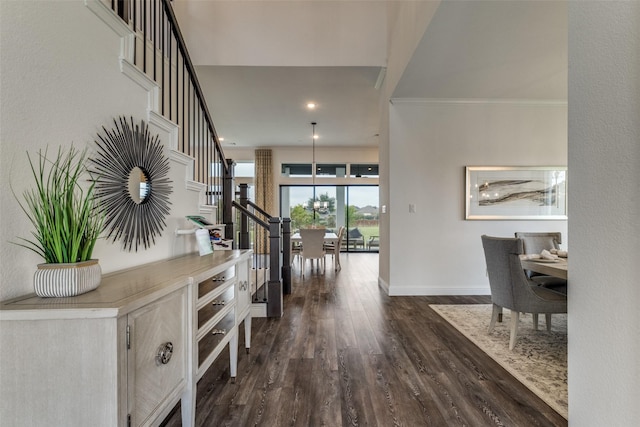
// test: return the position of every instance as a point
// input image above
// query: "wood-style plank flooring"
(346, 354)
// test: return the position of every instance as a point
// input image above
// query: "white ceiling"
(266, 106)
(258, 65)
(491, 50)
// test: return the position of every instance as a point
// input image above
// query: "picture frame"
(516, 193)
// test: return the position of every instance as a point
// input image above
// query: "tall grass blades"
(64, 213)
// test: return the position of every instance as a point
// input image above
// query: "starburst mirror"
(130, 173)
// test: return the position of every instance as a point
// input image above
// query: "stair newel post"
(274, 295)
(286, 255)
(244, 220)
(227, 199)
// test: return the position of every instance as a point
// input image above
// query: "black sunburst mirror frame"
(119, 152)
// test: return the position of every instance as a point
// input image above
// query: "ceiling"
(259, 66)
(266, 106)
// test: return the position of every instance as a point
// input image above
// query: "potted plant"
(67, 221)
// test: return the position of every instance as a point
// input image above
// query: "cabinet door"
(157, 358)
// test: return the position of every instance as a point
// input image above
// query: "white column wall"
(604, 176)
(435, 251)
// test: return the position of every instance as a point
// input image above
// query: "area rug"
(539, 358)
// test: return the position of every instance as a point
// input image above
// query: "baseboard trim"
(413, 291)
(384, 285)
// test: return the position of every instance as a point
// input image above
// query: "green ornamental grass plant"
(66, 216)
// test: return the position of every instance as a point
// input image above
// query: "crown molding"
(480, 101)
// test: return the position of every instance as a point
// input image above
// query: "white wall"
(60, 81)
(604, 174)
(436, 251)
(407, 22)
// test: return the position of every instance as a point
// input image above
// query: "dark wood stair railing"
(255, 222)
(161, 54)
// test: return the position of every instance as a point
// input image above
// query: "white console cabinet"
(127, 352)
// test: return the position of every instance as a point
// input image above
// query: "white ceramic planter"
(67, 280)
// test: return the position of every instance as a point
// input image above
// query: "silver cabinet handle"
(218, 302)
(165, 351)
(218, 331)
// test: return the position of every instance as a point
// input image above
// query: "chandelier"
(317, 205)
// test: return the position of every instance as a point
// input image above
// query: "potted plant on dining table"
(67, 221)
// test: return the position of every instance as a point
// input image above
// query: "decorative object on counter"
(67, 280)
(204, 242)
(67, 222)
(131, 183)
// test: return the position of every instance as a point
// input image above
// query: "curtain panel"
(264, 193)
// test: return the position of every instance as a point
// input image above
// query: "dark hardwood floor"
(346, 354)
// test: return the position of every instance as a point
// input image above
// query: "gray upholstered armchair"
(536, 242)
(512, 289)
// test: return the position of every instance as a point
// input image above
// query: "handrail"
(192, 75)
(259, 209)
(250, 214)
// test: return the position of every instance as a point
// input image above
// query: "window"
(245, 169)
(352, 206)
(296, 170)
(327, 170)
(364, 170)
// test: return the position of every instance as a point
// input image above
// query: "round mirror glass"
(138, 185)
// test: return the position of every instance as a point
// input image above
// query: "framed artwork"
(518, 193)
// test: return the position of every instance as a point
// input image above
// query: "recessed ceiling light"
(311, 105)
(221, 139)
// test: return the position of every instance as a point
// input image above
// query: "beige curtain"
(263, 193)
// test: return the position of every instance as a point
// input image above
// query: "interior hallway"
(347, 354)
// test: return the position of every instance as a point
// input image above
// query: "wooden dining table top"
(557, 268)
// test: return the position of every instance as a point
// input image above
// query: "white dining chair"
(334, 249)
(312, 248)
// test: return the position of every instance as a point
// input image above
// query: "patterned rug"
(539, 358)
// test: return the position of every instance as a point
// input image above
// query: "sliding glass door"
(352, 206)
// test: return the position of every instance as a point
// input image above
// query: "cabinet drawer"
(213, 307)
(214, 336)
(213, 283)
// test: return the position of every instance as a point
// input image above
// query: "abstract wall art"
(518, 193)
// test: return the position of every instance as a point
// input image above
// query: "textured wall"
(604, 172)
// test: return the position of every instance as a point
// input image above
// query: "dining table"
(329, 237)
(556, 267)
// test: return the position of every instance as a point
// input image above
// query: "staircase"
(154, 55)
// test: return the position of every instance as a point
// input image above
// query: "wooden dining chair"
(312, 248)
